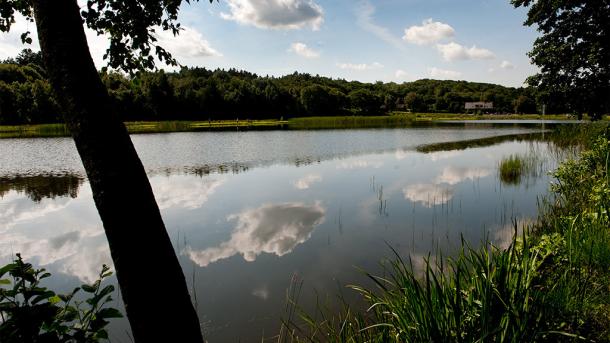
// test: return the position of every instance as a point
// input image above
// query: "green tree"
(415, 103)
(524, 104)
(139, 244)
(573, 52)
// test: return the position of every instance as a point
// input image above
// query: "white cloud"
(429, 32)
(401, 74)
(443, 74)
(303, 50)
(428, 194)
(507, 65)
(364, 16)
(276, 14)
(360, 66)
(10, 43)
(189, 43)
(306, 181)
(273, 229)
(454, 51)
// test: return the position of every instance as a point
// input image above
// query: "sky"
(364, 40)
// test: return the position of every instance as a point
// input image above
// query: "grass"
(511, 168)
(551, 284)
(463, 116)
(514, 168)
(395, 119)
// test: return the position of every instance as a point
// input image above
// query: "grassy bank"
(463, 116)
(551, 284)
(396, 119)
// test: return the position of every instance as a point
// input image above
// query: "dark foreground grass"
(551, 284)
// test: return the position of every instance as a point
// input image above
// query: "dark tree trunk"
(152, 284)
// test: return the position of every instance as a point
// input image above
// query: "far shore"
(395, 119)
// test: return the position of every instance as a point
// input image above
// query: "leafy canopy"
(572, 52)
(130, 26)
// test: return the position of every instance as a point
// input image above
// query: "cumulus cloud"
(306, 181)
(189, 43)
(454, 175)
(429, 32)
(273, 229)
(507, 65)
(428, 194)
(454, 52)
(444, 74)
(303, 50)
(360, 66)
(276, 14)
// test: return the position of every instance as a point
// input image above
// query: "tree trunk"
(152, 284)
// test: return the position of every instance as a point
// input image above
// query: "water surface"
(251, 212)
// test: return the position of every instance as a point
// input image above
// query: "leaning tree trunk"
(152, 284)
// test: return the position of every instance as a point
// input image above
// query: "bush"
(33, 313)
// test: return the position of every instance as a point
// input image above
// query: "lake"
(253, 213)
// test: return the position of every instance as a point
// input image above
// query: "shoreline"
(301, 123)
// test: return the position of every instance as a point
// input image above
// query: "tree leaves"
(573, 52)
(33, 313)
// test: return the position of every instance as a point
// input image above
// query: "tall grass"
(551, 284)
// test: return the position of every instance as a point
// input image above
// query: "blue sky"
(366, 40)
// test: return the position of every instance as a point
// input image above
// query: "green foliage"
(33, 313)
(202, 94)
(511, 169)
(572, 52)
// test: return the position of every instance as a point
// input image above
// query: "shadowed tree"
(573, 52)
(152, 284)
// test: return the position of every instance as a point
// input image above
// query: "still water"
(250, 213)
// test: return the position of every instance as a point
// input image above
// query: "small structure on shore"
(478, 106)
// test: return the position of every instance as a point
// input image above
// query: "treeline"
(203, 94)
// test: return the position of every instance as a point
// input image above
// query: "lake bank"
(397, 119)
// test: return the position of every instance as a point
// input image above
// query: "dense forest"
(203, 94)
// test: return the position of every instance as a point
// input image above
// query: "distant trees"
(415, 103)
(202, 94)
(573, 53)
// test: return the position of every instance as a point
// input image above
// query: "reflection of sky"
(253, 230)
(273, 229)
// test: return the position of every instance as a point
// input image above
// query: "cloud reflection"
(273, 229)
(80, 253)
(359, 164)
(184, 192)
(306, 181)
(428, 194)
(454, 175)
